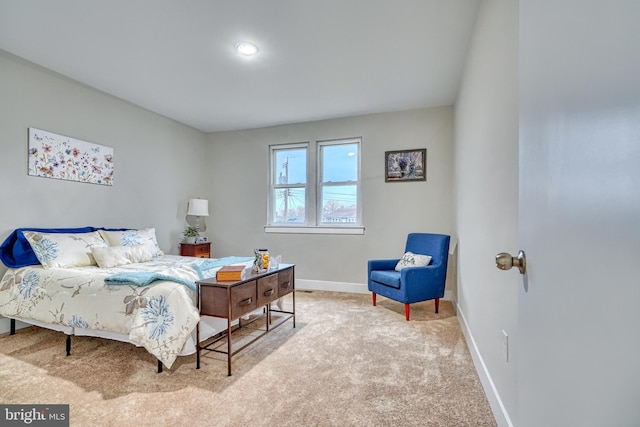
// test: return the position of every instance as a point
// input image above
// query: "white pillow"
(145, 236)
(64, 249)
(410, 259)
(121, 255)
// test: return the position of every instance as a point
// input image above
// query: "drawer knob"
(286, 284)
(268, 292)
(244, 302)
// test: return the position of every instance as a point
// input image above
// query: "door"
(579, 303)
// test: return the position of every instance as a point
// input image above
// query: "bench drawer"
(267, 289)
(243, 299)
(285, 282)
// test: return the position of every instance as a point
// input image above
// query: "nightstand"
(200, 250)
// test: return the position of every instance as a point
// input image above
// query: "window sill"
(314, 230)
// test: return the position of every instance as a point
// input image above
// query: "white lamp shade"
(198, 207)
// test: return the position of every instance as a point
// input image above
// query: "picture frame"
(405, 165)
(57, 156)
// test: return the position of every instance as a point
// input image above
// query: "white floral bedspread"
(158, 317)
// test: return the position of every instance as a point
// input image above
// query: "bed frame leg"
(13, 327)
(68, 345)
(159, 367)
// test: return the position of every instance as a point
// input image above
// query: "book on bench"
(230, 272)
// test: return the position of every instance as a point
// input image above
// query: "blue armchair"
(412, 284)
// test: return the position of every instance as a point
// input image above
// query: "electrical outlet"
(505, 345)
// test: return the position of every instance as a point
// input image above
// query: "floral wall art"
(61, 157)
(406, 165)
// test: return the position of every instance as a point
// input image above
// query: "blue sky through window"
(340, 163)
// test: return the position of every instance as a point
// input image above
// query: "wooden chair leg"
(407, 311)
(373, 298)
(437, 304)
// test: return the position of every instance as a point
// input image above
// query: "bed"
(108, 283)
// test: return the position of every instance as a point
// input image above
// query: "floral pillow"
(146, 236)
(409, 259)
(64, 249)
(121, 255)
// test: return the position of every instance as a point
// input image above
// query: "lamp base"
(196, 222)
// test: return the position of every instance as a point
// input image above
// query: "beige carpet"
(346, 363)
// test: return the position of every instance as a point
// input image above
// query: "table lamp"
(198, 208)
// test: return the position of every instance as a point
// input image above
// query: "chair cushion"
(386, 277)
(409, 259)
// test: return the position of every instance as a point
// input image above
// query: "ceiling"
(317, 59)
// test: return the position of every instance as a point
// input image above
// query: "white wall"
(237, 183)
(158, 165)
(486, 200)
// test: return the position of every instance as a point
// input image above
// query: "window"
(315, 187)
(289, 184)
(338, 186)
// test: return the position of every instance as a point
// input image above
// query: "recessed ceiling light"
(246, 48)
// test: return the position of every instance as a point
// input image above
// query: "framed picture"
(405, 165)
(62, 157)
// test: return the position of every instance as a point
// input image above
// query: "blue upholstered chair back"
(436, 245)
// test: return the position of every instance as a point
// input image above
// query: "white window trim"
(313, 230)
(357, 183)
(312, 224)
(272, 188)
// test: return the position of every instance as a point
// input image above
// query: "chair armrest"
(431, 273)
(422, 283)
(382, 264)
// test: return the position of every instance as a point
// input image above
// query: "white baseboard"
(356, 288)
(323, 285)
(499, 411)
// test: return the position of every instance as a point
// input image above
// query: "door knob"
(504, 261)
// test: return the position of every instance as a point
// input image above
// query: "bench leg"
(13, 327)
(159, 367)
(373, 298)
(407, 311)
(437, 304)
(68, 345)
